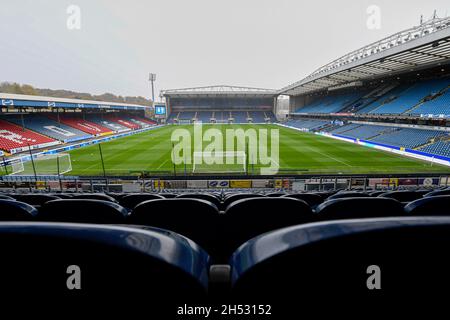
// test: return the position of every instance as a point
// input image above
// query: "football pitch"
(299, 153)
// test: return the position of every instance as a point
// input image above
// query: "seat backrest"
(437, 193)
(356, 208)
(35, 199)
(310, 198)
(403, 195)
(203, 196)
(5, 197)
(248, 218)
(429, 206)
(195, 219)
(347, 194)
(229, 199)
(331, 261)
(93, 196)
(114, 261)
(82, 211)
(12, 210)
(132, 200)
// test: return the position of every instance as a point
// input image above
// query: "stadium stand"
(99, 119)
(441, 148)
(330, 103)
(14, 138)
(50, 128)
(123, 121)
(407, 137)
(84, 125)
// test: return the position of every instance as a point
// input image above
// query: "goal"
(49, 164)
(13, 166)
(219, 162)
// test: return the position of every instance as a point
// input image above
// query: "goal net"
(219, 162)
(49, 164)
(13, 166)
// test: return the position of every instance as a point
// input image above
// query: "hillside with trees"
(16, 88)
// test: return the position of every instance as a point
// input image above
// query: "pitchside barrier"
(432, 158)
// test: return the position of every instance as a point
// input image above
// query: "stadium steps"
(375, 95)
(429, 143)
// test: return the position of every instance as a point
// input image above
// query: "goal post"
(49, 164)
(12, 166)
(219, 162)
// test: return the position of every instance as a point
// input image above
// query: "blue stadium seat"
(329, 262)
(404, 195)
(195, 219)
(248, 218)
(203, 196)
(83, 211)
(229, 199)
(12, 210)
(359, 207)
(5, 197)
(311, 199)
(429, 206)
(132, 200)
(437, 193)
(93, 196)
(34, 199)
(347, 194)
(130, 265)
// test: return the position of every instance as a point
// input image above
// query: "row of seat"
(298, 265)
(220, 233)
(223, 200)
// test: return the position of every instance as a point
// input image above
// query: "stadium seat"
(12, 210)
(5, 197)
(169, 195)
(248, 218)
(429, 206)
(238, 196)
(203, 196)
(276, 194)
(83, 211)
(310, 198)
(126, 264)
(132, 200)
(195, 219)
(330, 262)
(404, 195)
(359, 207)
(34, 199)
(347, 194)
(93, 196)
(437, 193)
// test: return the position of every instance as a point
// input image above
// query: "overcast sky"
(187, 43)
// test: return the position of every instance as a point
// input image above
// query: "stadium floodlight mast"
(152, 79)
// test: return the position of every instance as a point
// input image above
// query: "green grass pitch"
(300, 153)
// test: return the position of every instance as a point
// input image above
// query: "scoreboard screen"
(160, 110)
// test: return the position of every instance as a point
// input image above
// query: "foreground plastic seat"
(93, 196)
(347, 194)
(132, 200)
(429, 206)
(194, 218)
(404, 195)
(203, 196)
(82, 211)
(248, 218)
(114, 261)
(437, 193)
(329, 261)
(5, 197)
(12, 210)
(310, 198)
(353, 208)
(35, 199)
(229, 199)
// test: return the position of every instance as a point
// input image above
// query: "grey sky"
(260, 43)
